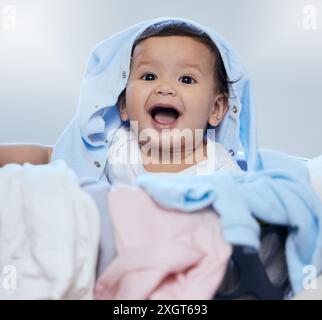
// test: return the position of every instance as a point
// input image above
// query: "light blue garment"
(83, 145)
(278, 193)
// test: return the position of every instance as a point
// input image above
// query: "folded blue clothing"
(278, 192)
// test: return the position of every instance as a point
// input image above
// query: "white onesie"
(124, 162)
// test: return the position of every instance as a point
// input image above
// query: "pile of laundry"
(166, 237)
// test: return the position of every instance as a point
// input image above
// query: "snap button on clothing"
(97, 164)
(123, 74)
(231, 152)
(235, 109)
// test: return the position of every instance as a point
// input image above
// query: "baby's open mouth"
(164, 115)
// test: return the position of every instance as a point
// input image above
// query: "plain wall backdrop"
(42, 60)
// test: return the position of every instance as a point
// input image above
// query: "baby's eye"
(149, 77)
(187, 80)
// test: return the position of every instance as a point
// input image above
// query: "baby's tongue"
(166, 116)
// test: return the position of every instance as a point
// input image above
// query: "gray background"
(43, 59)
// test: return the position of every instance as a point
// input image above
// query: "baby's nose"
(165, 89)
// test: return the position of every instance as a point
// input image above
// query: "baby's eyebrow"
(141, 63)
(192, 65)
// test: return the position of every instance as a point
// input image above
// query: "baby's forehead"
(184, 50)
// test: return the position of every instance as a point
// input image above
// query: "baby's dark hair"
(180, 28)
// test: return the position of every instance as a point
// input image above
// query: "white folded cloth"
(49, 234)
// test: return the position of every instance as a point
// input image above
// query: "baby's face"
(172, 86)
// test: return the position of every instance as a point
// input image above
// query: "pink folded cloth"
(161, 254)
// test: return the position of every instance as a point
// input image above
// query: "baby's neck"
(175, 162)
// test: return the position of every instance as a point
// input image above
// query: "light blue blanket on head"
(279, 192)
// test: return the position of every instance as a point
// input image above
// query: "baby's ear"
(218, 109)
(121, 104)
